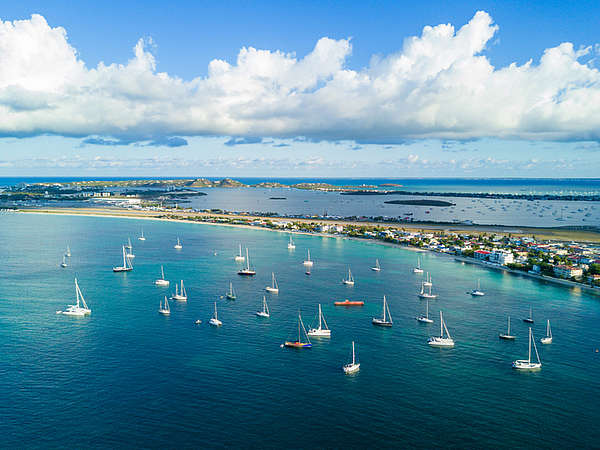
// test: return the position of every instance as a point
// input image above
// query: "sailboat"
(507, 336)
(80, 308)
(64, 262)
(247, 271)
(352, 366)
(425, 318)
(239, 256)
(298, 343)
(548, 338)
(178, 246)
(126, 267)
(377, 267)
(164, 307)
(386, 320)
(265, 309)
(308, 261)
(530, 318)
(161, 281)
(526, 364)
(142, 238)
(477, 292)
(214, 321)
(231, 293)
(322, 330)
(418, 268)
(426, 294)
(441, 341)
(291, 245)
(350, 280)
(180, 294)
(130, 254)
(274, 288)
(427, 282)
(68, 252)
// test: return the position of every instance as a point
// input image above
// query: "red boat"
(349, 303)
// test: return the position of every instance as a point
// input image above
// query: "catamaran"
(246, 271)
(68, 252)
(322, 330)
(526, 364)
(239, 256)
(129, 247)
(164, 307)
(214, 321)
(548, 338)
(161, 281)
(80, 308)
(178, 246)
(274, 288)
(352, 366)
(298, 343)
(377, 267)
(418, 268)
(265, 309)
(426, 294)
(477, 292)
(64, 262)
(425, 318)
(386, 320)
(350, 279)
(308, 261)
(507, 336)
(530, 318)
(180, 294)
(291, 245)
(142, 238)
(441, 341)
(231, 293)
(126, 267)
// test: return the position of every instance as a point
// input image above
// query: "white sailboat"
(265, 309)
(247, 271)
(178, 246)
(129, 247)
(386, 320)
(68, 252)
(441, 341)
(477, 292)
(239, 256)
(527, 364)
(214, 321)
(427, 282)
(161, 281)
(426, 293)
(507, 336)
(274, 288)
(418, 268)
(548, 338)
(377, 267)
(80, 308)
(425, 318)
(322, 330)
(350, 279)
(353, 366)
(291, 245)
(64, 262)
(126, 267)
(164, 307)
(180, 294)
(231, 293)
(142, 238)
(308, 261)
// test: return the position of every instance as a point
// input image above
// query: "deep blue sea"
(128, 377)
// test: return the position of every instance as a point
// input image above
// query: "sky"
(280, 89)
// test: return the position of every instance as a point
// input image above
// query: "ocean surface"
(127, 376)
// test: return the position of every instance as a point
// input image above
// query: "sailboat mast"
(320, 314)
(508, 326)
(353, 355)
(247, 260)
(529, 357)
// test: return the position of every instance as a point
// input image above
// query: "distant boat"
(477, 292)
(265, 309)
(130, 254)
(142, 238)
(178, 246)
(322, 330)
(274, 288)
(161, 281)
(443, 340)
(247, 271)
(164, 307)
(425, 318)
(126, 267)
(299, 343)
(350, 279)
(180, 294)
(214, 321)
(308, 261)
(386, 320)
(507, 336)
(426, 293)
(68, 252)
(548, 338)
(349, 303)
(428, 282)
(239, 256)
(353, 366)
(64, 262)
(80, 308)
(530, 318)
(291, 245)
(231, 293)
(418, 268)
(526, 364)
(377, 267)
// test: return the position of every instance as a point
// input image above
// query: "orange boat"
(349, 303)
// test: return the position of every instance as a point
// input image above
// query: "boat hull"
(424, 320)
(179, 298)
(522, 364)
(441, 342)
(546, 340)
(351, 368)
(262, 314)
(161, 282)
(308, 263)
(239, 258)
(417, 270)
(528, 320)
(315, 332)
(215, 322)
(247, 273)
(298, 344)
(164, 312)
(122, 269)
(375, 269)
(477, 294)
(348, 283)
(427, 296)
(272, 290)
(381, 323)
(230, 297)
(507, 337)
(349, 303)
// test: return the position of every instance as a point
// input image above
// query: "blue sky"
(300, 89)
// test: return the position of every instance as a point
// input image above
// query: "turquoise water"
(128, 376)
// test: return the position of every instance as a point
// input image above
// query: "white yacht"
(426, 293)
(239, 256)
(425, 318)
(80, 308)
(308, 261)
(164, 307)
(180, 294)
(527, 364)
(291, 245)
(548, 338)
(178, 246)
(126, 267)
(386, 320)
(64, 264)
(142, 238)
(274, 288)
(129, 247)
(352, 366)
(427, 282)
(214, 321)
(265, 309)
(477, 292)
(507, 336)
(377, 267)
(161, 281)
(350, 279)
(418, 268)
(247, 271)
(322, 330)
(443, 340)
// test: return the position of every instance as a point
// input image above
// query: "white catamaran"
(80, 308)
(526, 364)
(386, 320)
(265, 309)
(427, 282)
(418, 268)
(308, 261)
(426, 293)
(548, 338)
(231, 293)
(377, 267)
(441, 341)
(239, 256)
(214, 321)
(507, 336)
(350, 279)
(274, 288)
(178, 246)
(180, 294)
(161, 281)
(322, 330)
(477, 292)
(142, 237)
(126, 267)
(164, 307)
(425, 318)
(352, 366)
(291, 245)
